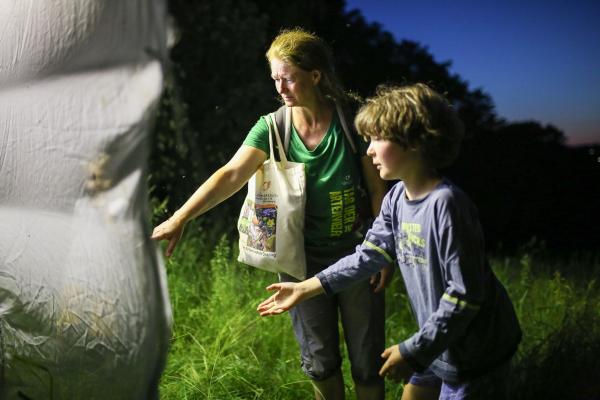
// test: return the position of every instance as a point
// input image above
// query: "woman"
(302, 69)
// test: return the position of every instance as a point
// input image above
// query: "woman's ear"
(316, 76)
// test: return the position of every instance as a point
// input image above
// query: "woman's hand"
(395, 367)
(170, 230)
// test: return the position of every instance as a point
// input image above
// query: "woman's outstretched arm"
(221, 185)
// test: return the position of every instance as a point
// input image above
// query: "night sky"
(538, 60)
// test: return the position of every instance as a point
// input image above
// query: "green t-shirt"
(336, 204)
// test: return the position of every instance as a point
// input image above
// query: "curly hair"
(416, 117)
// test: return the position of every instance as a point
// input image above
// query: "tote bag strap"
(273, 127)
(345, 127)
(283, 121)
(288, 128)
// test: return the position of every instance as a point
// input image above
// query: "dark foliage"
(216, 87)
(523, 178)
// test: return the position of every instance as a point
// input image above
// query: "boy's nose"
(370, 151)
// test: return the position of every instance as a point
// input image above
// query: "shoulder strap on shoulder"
(345, 127)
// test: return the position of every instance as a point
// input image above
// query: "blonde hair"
(308, 52)
(416, 117)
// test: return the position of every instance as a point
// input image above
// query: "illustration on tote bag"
(259, 223)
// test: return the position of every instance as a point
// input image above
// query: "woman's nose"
(282, 87)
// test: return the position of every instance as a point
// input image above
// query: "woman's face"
(296, 86)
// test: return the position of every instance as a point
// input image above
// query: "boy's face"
(392, 160)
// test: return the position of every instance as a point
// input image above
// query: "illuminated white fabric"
(84, 310)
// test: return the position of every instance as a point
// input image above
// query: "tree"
(219, 86)
(216, 88)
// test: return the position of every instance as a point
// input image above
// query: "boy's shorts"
(491, 386)
(315, 323)
(425, 379)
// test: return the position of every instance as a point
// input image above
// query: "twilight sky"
(537, 59)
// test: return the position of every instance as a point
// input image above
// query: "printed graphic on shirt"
(411, 245)
(343, 211)
(258, 222)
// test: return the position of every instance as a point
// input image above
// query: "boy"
(468, 330)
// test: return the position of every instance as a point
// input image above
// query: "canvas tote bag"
(271, 222)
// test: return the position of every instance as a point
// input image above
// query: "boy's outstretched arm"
(377, 189)
(288, 295)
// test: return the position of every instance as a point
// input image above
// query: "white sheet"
(84, 310)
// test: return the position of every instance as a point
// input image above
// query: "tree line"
(526, 182)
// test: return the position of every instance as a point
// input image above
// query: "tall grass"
(221, 349)
(560, 317)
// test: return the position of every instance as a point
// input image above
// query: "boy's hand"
(288, 295)
(395, 367)
(382, 279)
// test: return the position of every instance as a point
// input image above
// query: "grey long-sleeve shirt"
(467, 324)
